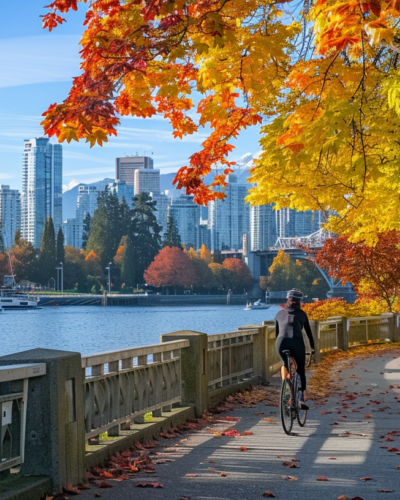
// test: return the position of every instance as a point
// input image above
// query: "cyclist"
(289, 323)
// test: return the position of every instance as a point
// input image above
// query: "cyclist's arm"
(307, 328)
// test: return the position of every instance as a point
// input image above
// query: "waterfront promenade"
(347, 440)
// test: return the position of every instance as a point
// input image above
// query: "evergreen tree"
(171, 236)
(60, 251)
(128, 263)
(145, 233)
(87, 221)
(47, 257)
(17, 238)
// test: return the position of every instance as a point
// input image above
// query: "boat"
(256, 305)
(12, 298)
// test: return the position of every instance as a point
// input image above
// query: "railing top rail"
(230, 335)
(363, 318)
(110, 356)
(330, 322)
(19, 372)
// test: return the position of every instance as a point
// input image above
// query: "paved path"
(338, 442)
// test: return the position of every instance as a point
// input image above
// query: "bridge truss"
(315, 240)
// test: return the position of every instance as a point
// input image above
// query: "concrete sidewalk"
(339, 442)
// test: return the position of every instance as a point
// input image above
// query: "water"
(91, 329)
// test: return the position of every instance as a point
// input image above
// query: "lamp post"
(61, 276)
(108, 268)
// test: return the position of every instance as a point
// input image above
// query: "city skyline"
(50, 60)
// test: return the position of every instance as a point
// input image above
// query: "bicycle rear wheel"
(301, 414)
(286, 410)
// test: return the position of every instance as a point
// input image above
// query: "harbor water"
(90, 330)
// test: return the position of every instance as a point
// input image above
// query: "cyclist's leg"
(299, 353)
(282, 345)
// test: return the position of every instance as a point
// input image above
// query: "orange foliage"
(93, 264)
(171, 267)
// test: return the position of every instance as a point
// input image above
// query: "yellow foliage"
(323, 309)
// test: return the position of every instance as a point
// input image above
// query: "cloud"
(38, 59)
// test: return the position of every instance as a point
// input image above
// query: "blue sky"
(36, 68)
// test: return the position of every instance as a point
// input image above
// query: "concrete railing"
(14, 382)
(122, 386)
(101, 399)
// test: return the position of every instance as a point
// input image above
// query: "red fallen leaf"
(332, 458)
(106, 474)
(138, 445)
(389, 439)
(145, 484)
(291, 465)
(366, 478)
(290, 478)
(322, 478)
(149, 471)
(259, 413)
(105, 485)
(270, 419)
(223, 475)
(190, 475)
(325, 412)
(382, 490)
(342, 497)
(126, 454)
(122, 478)
(368, 416)
(268, 494)
(248, 433)
(334, 423)
(393, 449)
(70, 490)
(243, 448)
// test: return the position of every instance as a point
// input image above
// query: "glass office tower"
(41, 188)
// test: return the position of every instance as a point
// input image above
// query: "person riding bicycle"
(289, 323)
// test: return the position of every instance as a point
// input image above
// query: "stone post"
(55, 420)
(194, 368)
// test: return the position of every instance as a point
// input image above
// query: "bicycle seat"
(286, 351)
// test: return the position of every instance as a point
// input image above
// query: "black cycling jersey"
(289, 323)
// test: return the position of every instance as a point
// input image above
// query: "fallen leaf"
(270, 419)
(259, 413)
(190, 475)
(145, 484)
(223, 475)
(342, 497)
(393, 449)
(105, 485)
(268, 494)
(332, 458)
(368, 416)
(366, 478)
(247, 433)
(322, 478)
(290, 478)
(385, 491)
(243, 448)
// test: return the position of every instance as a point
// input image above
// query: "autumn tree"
(282, 273)
(170, 268)
(205, 253)
(47, 257)
(93, 265)
(171, 235)
(74, 270)
(204, 276)
(241, 274)
(24, 259)
(223, 278)
(374, 271)
(325, 76)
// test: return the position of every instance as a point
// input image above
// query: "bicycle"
(291, 397)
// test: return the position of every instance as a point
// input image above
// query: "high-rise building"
(161, 214)
(291, 223)
(228, 220)
(125, 167)
(146, 181)
(262, 227)
(86, 204)
(10, 214)
(41, 188)
(186, 215)
(123, 190)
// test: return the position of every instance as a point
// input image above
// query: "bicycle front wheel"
(286, 410)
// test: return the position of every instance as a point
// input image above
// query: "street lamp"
(62, 276)
(108, 268)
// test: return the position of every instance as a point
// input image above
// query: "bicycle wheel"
(301, 414)
(286, 410)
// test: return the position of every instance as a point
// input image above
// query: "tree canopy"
(324, 77)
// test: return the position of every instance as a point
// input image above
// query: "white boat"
(11, 298)
(256, 305)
